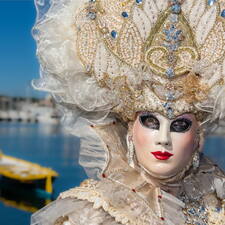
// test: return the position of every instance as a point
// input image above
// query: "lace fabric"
(72, 212)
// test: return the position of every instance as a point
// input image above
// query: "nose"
(164, 138)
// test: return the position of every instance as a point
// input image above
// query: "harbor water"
(47, 145)
(50, 146)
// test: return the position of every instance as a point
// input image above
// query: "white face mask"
(164, 147)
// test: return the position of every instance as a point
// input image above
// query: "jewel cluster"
(195, 211)
(93, 14)
(173, 39)
(124, 27)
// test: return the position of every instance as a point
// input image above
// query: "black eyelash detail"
(154, 124)
(183, 125)
(145, 113)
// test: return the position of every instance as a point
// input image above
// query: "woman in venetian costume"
(142, 83)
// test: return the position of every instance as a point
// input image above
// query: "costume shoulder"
(94, 203)
(207, 187)
(209, 179)
(123, 205)
(68, 210)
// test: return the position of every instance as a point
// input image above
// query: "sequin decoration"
(176, 8)
(195, 211)
(170, 96)
(114, 34)
(211, 2)
(91, 15)
(124, 14)
(174, 18)
(170, 73)
(223, 13)
(139, 2)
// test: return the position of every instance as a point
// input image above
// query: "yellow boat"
(26, 172)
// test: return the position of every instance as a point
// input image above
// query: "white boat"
(3, 115)
(41, 114)
(13, 115)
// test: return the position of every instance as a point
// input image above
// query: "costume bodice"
(123, 195)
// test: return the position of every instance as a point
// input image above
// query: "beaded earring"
(130, 150)
(196, 160)
(196, 155)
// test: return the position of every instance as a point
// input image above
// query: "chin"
(163, 170)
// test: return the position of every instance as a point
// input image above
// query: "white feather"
(43, 5)
(205, 24)
(219, 104)
(142, 22)
(151, 10)
(101, 61)
(196, 12)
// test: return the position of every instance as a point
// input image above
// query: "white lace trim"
(96, 198)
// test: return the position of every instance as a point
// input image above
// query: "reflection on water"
(49, 146)
(19, 196)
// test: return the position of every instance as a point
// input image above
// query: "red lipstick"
(162, 155)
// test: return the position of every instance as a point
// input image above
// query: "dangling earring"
(196, 160)
(130, 151)
(196, 156)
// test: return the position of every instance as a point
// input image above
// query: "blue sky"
(18, 63)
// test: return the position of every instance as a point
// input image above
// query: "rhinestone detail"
(170, 73)
(91, 15)
(223, 13)
(211, 2)
(176, 8)
(114, 34)
(139, 1)
(124, 14)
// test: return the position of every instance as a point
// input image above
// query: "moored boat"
(27, 173)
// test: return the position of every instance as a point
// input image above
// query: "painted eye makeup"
(149, 121)
(180, 125)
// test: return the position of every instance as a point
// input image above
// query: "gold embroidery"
(167, 55)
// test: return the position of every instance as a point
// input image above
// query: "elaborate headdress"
(125, 56)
